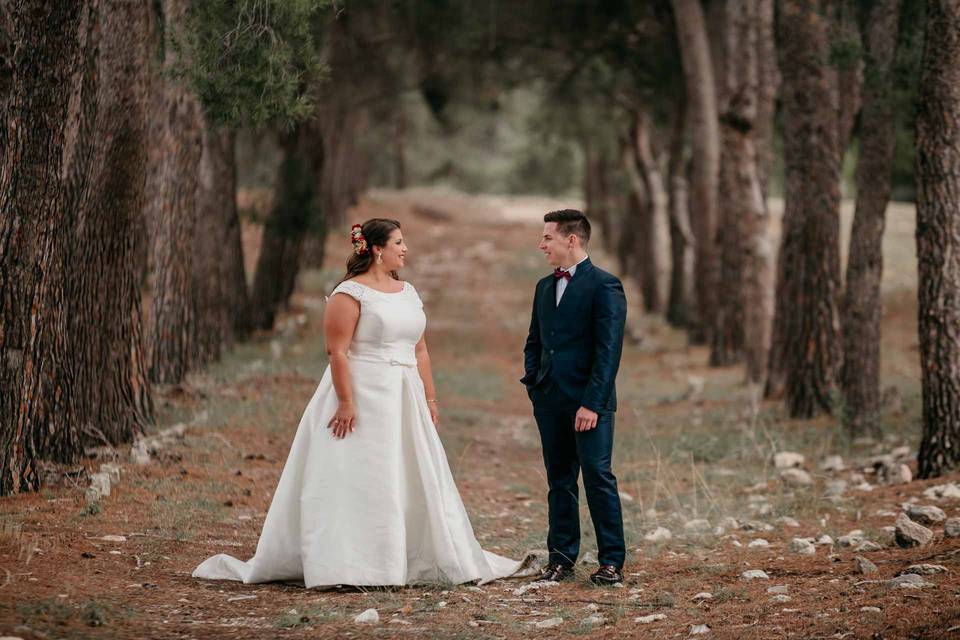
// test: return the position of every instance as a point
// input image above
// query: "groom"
(571, 360)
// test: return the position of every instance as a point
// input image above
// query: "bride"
(366, 497)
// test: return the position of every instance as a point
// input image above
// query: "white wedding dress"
(380, 506)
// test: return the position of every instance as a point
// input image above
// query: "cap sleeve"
(352, 289)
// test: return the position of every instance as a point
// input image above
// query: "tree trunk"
(680, 302)
(769, 84)
(71, 185)
(810, 278)
(595, 191)
(845, 36)
(652, 214)
(221, 306)
(34, 242)
(938, 238)
(284, 232)
(705, 147)
(173, 207)
(860, 376)
(639, 221)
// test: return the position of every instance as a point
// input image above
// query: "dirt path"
(691, 446)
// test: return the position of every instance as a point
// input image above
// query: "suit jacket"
(578, 343)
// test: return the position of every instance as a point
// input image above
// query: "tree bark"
(34, 231)
(938, 238)
(809, 286)
(860, 375)
(173, 208)
(769, 85)
(652, 213)
(680, 302)
(705, 147)
(284, 232)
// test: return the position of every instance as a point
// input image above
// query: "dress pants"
(566, 453)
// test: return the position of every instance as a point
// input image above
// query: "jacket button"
(551, 350)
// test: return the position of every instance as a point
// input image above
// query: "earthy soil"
(690, 444)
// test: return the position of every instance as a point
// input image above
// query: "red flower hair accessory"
(359, 242)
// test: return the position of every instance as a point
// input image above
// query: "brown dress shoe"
(555, 573)
(606, 575)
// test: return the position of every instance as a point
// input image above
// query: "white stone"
(787, 460)
(853, 538)
(699, 629)
(943, 491)
(754, 574)
(626, 497)
(588, 558)
(759, 542)
(698, 525)
(796, 478)
(824, 539)
(779, 588)
(113, 538)
(781, 598)
(925, 569)
(910, 534)
(653, 617)
(659, 534)
(867, 546)
(951, 528)
(802, 547)
(925, 514)
(595, 619)
(370, 616)
(534, 586)
(909, 581)
(832, 463)
(100, 482)
(864, 566)
(729, 523)
(549, 623)
(870, 610)
(787, 521)
(835, 488)
(703, 595)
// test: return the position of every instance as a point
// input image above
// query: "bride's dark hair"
(376, 231)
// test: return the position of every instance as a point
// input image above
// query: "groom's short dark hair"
(571, 221)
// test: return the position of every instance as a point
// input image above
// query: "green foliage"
(252, 61)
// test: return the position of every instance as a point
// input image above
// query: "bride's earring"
(379, 258)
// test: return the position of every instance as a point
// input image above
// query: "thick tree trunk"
(173, 207)
(283, 235)
(35, 230)
(596, 196)
(860, 376)
(845, 35)
(938, 238)
(680, 302)
(769, 84)
(71, 185)
(809, 288)
(705, 147)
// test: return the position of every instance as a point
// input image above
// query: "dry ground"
(691, 443)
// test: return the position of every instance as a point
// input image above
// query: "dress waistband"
(398, 361)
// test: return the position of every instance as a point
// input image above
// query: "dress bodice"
(390, 324)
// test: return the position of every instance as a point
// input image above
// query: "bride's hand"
(342, 422)
(434, 414)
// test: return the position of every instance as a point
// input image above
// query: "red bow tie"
(560, 273)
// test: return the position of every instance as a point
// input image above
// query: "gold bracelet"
(434, 401)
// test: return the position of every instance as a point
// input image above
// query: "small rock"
(595, 619)
(699, 629)
(951, 528)
(902, 454)
(824, 539)
(787, 460)
(114, 538)
(754, 574)
(908, 581)
(759, 542)
(787, 521)
(653, 617)
(549, 623)
(864, 566)
(698, 525)
(895, 473)
(802, 546)
(853, 538)
(867, 546)
(924, 569)
(241, 598)
(870, 610)
(779, 588)
(781, 598)
(370, 616)
(399, 621)
(101, 483)
(703, 595)
(943, 491)
(756, 525)
(925, 514)
(835, 488)
(832, 463)
(626, 497)
(588, 558)
(796, 478)
(533, 586)
(910, 534)
(729, 523)
(660, 534)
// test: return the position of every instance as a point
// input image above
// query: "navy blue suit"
(571, 359)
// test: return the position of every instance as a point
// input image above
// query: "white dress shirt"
(562, 282)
